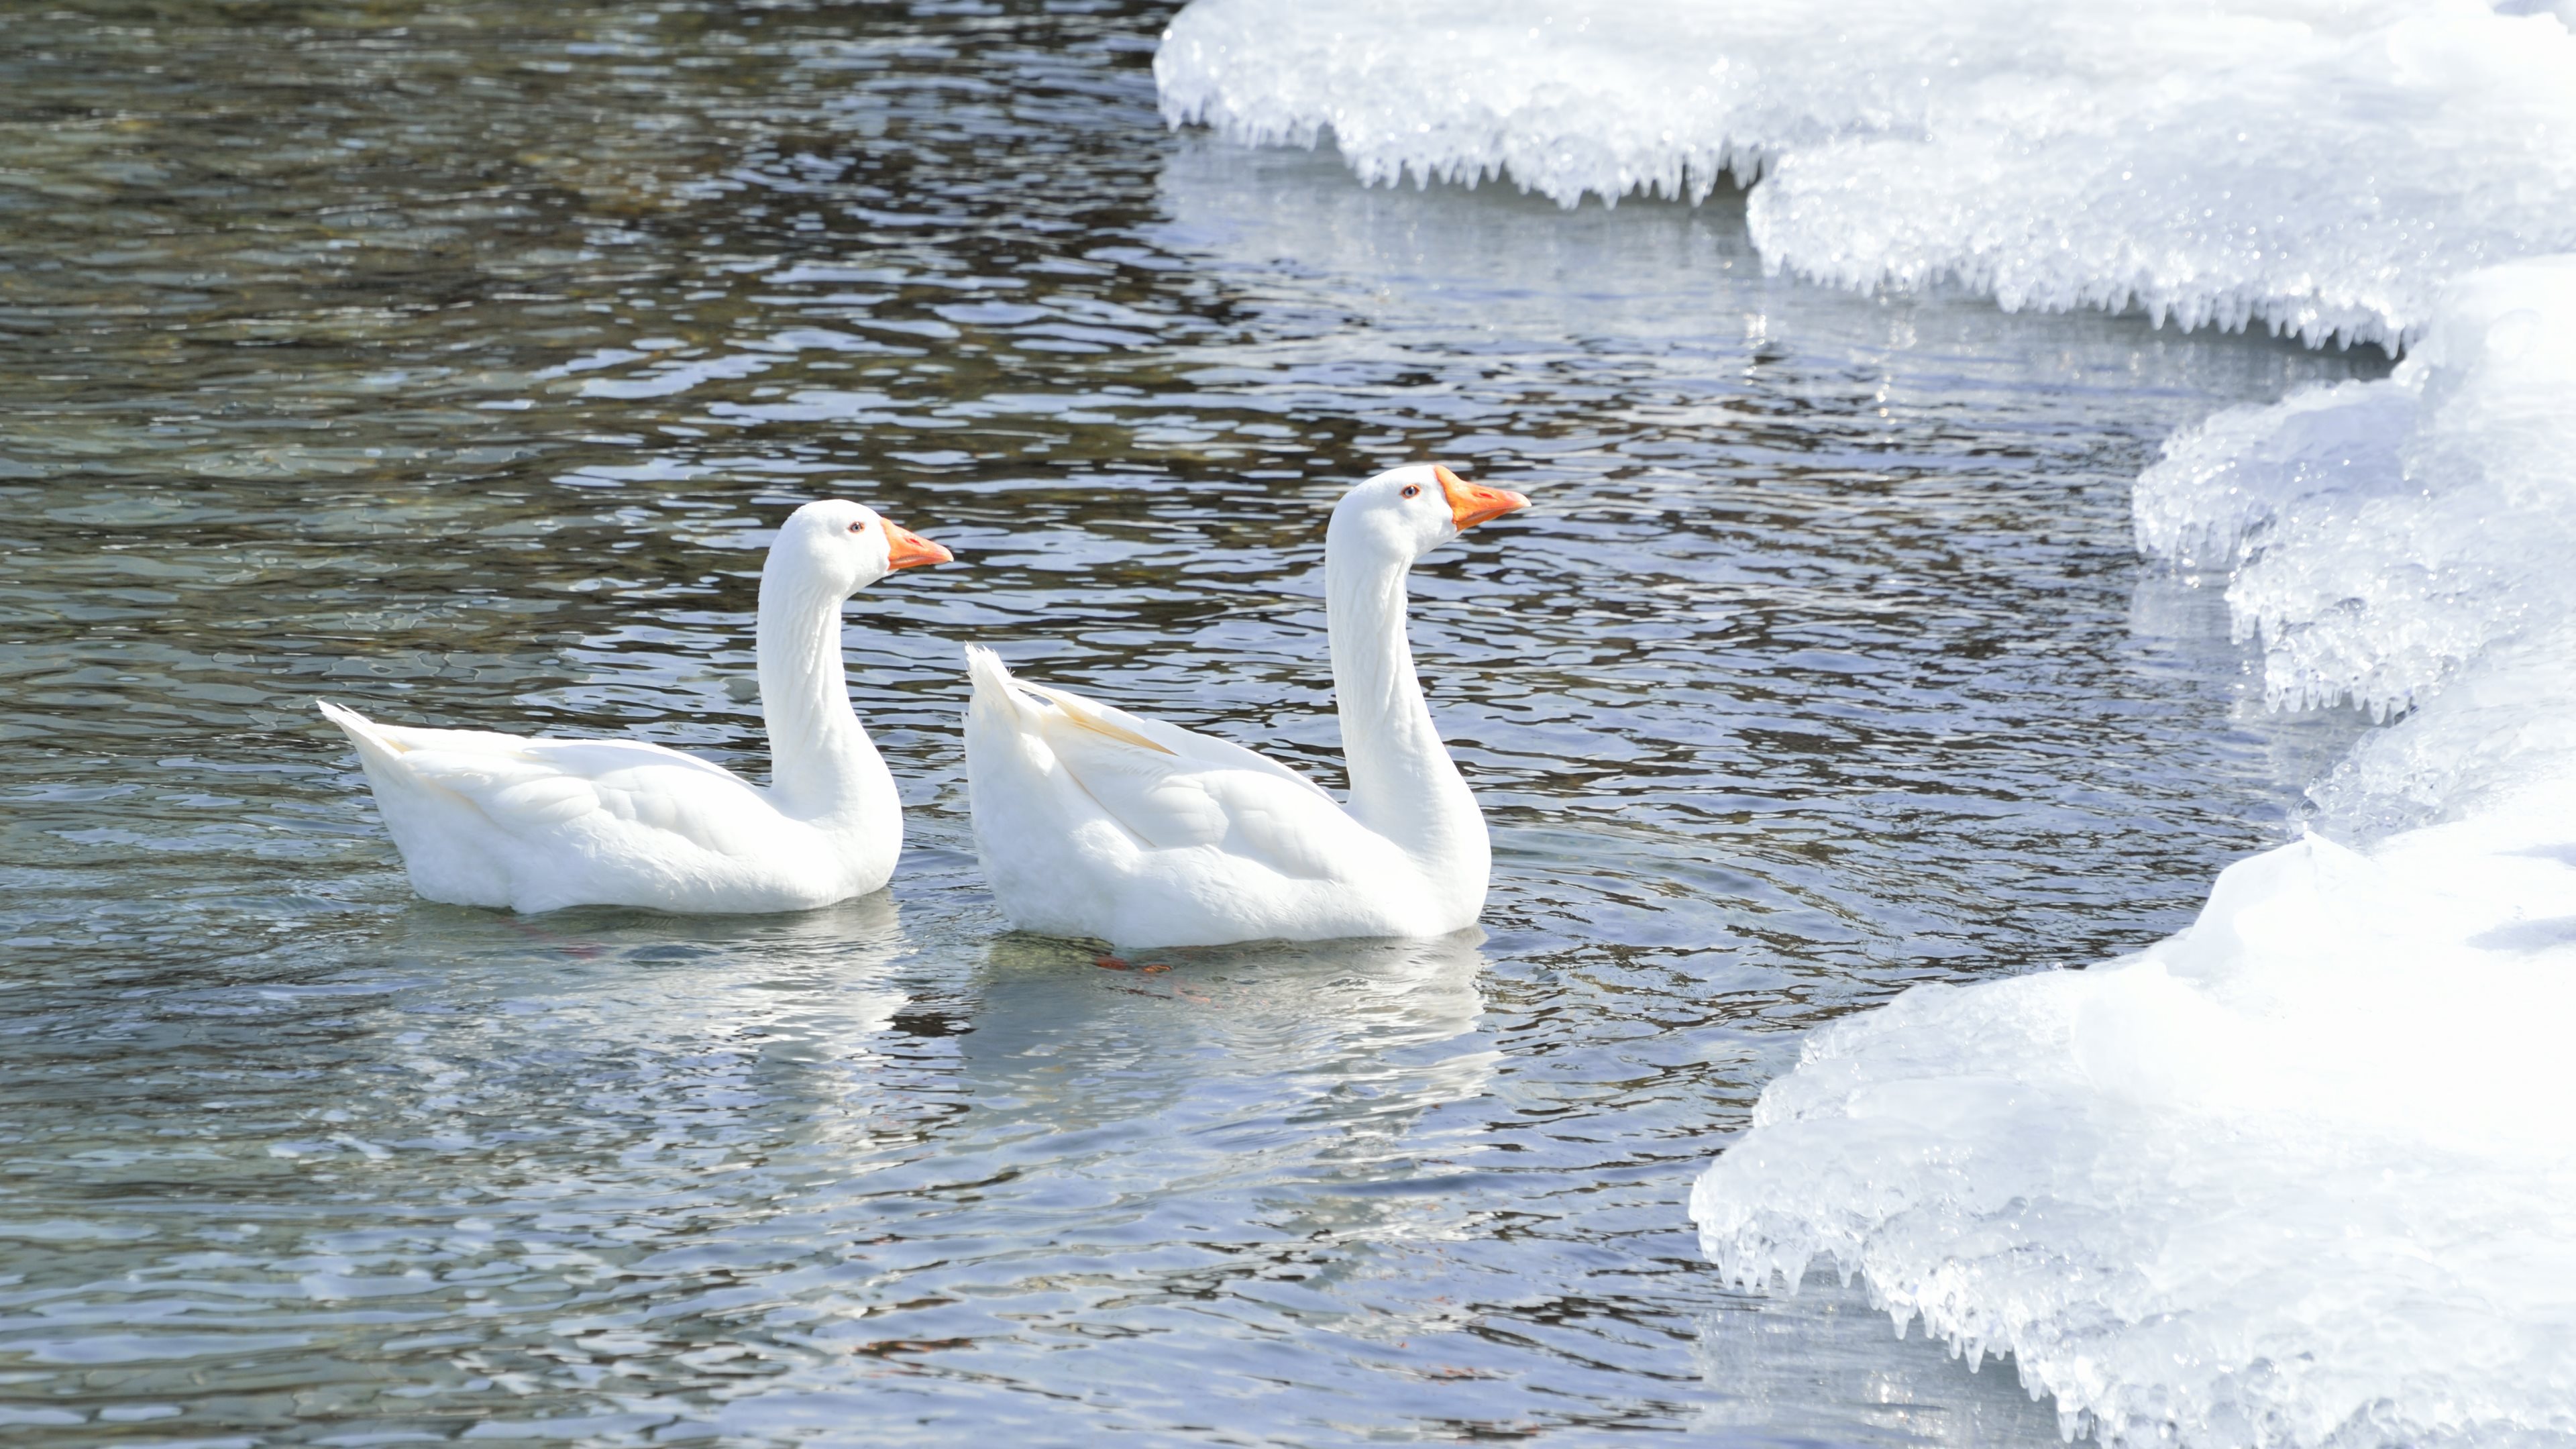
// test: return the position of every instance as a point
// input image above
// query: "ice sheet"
(2381, 536)
(2304, 1174)
(2319, 167)
(2300, 1176)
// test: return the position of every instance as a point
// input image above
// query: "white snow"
(2383, 534)
(2301, 1175)
(2322, 167)
(2304, 1174)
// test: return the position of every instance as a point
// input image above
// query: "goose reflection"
(1302, 1082)
(653, 1036)
(471, 1138)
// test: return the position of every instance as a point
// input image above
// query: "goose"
(1095, 823)
(499, 820)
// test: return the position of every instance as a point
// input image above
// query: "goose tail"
(992, 680)
(995, 701)
(374, 743)
(361, 730)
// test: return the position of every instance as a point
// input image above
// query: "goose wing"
(656, 798)
(1167, 788)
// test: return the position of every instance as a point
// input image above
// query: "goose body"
(487, 819)
(1093, 822)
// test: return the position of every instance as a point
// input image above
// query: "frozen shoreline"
(2296, 1175)
(2317, 168)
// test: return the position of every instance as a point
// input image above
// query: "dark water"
(453, 360)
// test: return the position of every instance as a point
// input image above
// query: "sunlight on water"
(453, 360)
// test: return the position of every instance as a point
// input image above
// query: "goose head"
(1406, 512)
(844, 547)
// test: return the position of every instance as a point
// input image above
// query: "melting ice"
(2322, 167)
(2304, 1174)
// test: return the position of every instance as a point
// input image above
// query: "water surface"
(455, 360)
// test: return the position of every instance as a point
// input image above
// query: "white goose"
(536, 824)
(1093, 822)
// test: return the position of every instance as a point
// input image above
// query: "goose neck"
(1403, 784)
(823, 767)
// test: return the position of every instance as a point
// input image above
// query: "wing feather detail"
(1168, 788)
(539, 787)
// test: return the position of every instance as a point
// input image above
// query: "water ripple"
(455, 359)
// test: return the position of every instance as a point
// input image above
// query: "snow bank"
(2304, 1174)
(2383, 534)
(2320, 167)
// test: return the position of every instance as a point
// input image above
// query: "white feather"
(488, 819)
(1093, 822)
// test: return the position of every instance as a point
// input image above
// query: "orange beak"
(906, 549)
(1474, 503)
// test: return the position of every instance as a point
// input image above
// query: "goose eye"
(1412, 490)
(855, 527)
